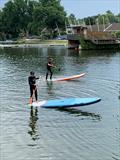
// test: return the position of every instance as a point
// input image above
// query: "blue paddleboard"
(65, 103)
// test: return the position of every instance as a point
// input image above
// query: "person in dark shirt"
(49, 68)
(32, 83)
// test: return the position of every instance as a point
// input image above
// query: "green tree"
(72, 19)
(111, 17)
(106, 18)
(48, 14)
(117, 34)
(118, 18)
(1, 25)
(2, 35)
(17, 16)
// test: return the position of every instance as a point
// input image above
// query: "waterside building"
(93, 37)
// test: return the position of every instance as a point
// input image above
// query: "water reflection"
(49, 86)
(81, 113)
(81, 135)
(32, 123)
(97, 53)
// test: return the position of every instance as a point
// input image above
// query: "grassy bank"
(38, 41)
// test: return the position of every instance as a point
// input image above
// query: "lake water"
(85, 133)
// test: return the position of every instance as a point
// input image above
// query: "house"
(93, 36)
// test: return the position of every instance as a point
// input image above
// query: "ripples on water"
(89, 132)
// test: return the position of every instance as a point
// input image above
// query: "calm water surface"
(85, 133)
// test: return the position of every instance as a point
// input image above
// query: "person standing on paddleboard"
(49, 68)
(32, 83)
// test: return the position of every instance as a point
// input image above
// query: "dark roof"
(100, 35)
(106, 27)
(114, 27)
(76, 26)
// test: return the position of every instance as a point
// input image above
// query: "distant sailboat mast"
(90, 25)
(97, 20)
(103, 23)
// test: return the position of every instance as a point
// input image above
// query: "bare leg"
(36, 96)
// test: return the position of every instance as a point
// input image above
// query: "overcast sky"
(85, 8)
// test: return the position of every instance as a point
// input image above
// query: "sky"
(86, 8)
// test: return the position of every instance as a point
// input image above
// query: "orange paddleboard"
(70, 78)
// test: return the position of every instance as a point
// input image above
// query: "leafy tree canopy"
(24, 17)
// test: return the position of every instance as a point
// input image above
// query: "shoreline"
(30, 45)
(27, 43)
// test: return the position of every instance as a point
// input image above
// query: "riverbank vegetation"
(46, 19)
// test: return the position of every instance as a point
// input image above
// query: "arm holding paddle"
(50, 65)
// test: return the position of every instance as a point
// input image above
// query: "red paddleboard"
(70, 78)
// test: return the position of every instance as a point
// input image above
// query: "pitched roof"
(100, 35)
(114, 27)
(107, 27)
